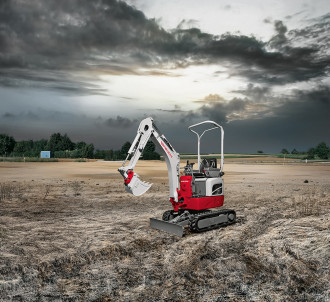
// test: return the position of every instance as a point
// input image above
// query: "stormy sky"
(94, 69)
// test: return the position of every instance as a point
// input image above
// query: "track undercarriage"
(196, 221)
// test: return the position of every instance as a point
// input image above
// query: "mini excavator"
(193, 194)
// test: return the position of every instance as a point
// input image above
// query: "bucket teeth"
(136, 186)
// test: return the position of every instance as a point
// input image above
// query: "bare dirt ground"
(69, 232)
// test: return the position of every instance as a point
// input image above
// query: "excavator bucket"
(136, 186)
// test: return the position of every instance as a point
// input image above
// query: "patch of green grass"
(294, 156)
(28, 159)
(217, 156)
(36, 159)
(182, 156)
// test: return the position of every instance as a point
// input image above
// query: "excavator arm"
(148, 130)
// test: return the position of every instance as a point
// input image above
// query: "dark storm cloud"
(299, 123)
(211, 98)
(8, 115)
(61, 31)
(171, 110)
(307, 104)
(256, 93)
(43, 123)
(221, 111)
(256, 102)
(23, 116)
(187, 23)
(280, 38)
(315, 35)
(55, 36)
(62, 81)
(300, 120)
(319, 27)
(249, 57)
(121, 122)
(39, 38)
(177, 109)
(215, 107)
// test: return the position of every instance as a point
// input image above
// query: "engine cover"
(211, 197)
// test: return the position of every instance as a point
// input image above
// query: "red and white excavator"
(193, 194)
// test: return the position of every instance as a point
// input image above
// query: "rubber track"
(193, 224)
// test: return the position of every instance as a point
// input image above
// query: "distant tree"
(57, 142)
(311, 153)
(124, 149)
(260, 151)
(66, 143)
(40, 145)
(118, 155)
(150, 147)
(19, 148)
(322, 150)
(88, 151)
(149, 151)
(284, 151)
(62, 154)
(80, 145)
(100, 154)
(294, 151)
(108, 155)
(54, 143)
(151, 156)
(76, 153)
(79, 150)
(24, 148)
(7, 144)
(104, 154)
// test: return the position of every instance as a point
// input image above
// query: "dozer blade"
(167, 227)
(136, 186)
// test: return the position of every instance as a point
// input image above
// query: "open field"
(70, 232)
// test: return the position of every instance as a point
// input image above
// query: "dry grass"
(8, 191)
(99, 247)
(76, 187)
(47, 191)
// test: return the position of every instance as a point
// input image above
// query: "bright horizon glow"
(181, 87)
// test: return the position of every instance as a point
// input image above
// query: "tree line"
(61, 146)
(322, 151)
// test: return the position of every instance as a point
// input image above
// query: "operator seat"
(209, 167)
(208, 163)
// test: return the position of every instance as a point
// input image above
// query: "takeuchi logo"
(165, 148)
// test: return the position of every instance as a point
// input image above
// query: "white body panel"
(204, 186)
(210, 182)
